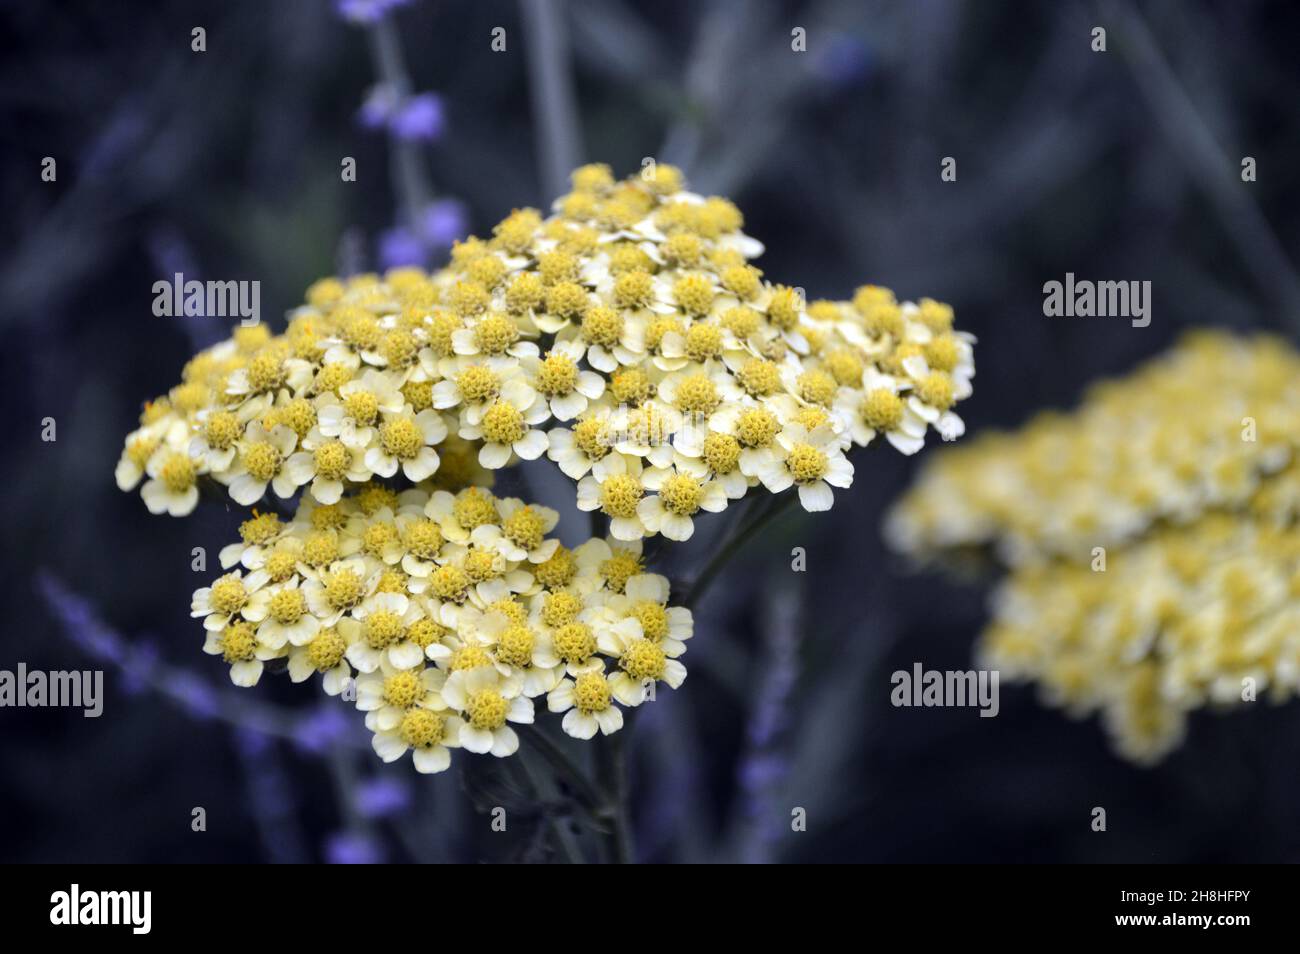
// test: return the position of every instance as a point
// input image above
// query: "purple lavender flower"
(381, 797)
(443, 222)
(378, 108)
(366, 11)
(352, 848)
(400, 246)
(420, 119)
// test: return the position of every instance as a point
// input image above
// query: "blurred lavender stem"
(409, 179)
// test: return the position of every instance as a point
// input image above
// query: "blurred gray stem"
(1206, 162)
(550, 81)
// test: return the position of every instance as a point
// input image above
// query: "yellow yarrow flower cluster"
(448, 614)
(627, 337)
(1152, 537)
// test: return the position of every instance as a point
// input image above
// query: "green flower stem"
(611, 767)
(764, 515)
(591, 798)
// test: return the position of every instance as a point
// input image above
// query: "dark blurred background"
(225, 164)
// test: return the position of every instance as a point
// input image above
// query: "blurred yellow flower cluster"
(627, 337)
(443, 616)
(1151, 535)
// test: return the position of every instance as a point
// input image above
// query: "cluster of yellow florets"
(1152, 536)
(443, 616)
(627, 337)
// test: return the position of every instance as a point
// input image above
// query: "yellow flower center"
(560, 609)
(557, 375)
(423, 539)
(326, 649)
(681, 494)
(806, 463)
(468, 298)
(474, 508)
(320, 548)
(742, 281)
(238, 642)
(477, 383)
(525, 293)
(343, 589)
(503, 423)
(816, 387)
(653, 618)
(332, 460)
(574, 643)
(633, 290)
(697, 394)
(495, 333)
(592, 438)
(421, 728)
(523, 528)
(468, 657)
(419, 394)
(703, 342)
(391, 581)
(845, 367)
(482, 565)
(630, 386)
(488, 271)
(882, 409)
(266, 372)
(486, 709)
(694, 293)
(741, 322)
(566, 300)
(619, 568)
(261, 528)
(619, 495)
(515, 646)
(177, 474)
(222, 430)
(399, 348)
(941, 352)
(403, 689)
(383, 628)
(643, 659)
(757, 427)
(602, 326)
(759, 377)
(682, 249)
(721, 452)
(362, 407)
(332, 377)
(378, 537)
(591, 692)
(424, 632)
(450, 583)
(935, 389)
(280, 566)
(287, 606)
(784, 308)
(228, 595)
(558, 571)
(401, 437)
